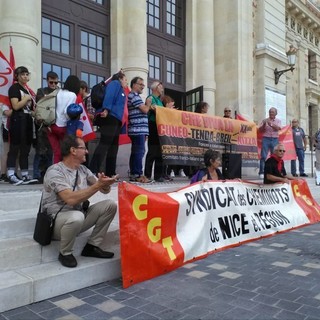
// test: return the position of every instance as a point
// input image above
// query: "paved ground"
(273, 278)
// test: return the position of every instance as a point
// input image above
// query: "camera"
(85, 205)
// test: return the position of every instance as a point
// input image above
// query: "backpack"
(45, 113)
(97, 95)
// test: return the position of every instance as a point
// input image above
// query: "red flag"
(124, 138)
(12, 59)
(88, 133)
(6, 79)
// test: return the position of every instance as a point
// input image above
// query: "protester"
(269, 128)
(43, 153)
(109, 120)
(227, 113)
(212, 162)
(77, 215)
(6, 112)
(154, 155)
(316, 144)
(300, 144)
(85, 95)
(138, 129)
(20, 127)
(74, 124)
(57, 131)
(202, 107)
(173, 170)
(274, 170)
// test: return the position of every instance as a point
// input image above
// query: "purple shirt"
(268, 131)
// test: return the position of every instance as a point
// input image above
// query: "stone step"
(31, 273)
(19, 200)
(31, 284)
(24, 251)
(17, 223)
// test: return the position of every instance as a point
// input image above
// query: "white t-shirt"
(64, 99)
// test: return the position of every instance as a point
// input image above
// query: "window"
(91, 79)
(98, 1)
(312, 66)
(55, 36)
(174, 72)
(166, 16)
(154, 66)
(153, 13)
(62, 72)
(192, 97)
(174, 18)
(91, 47)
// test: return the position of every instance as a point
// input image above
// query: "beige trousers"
(69, 224)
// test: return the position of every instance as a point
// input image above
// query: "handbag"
(44, 226)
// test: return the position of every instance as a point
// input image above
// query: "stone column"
(200, 49)
(20, 22)
(234, 56)
(129, 38)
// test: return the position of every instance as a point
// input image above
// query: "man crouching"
(67, 186)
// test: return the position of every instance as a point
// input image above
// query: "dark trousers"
(104, 158)
(154, 153)
(21, 133)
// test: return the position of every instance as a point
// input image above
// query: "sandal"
(143, 179)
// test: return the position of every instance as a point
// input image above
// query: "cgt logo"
(305, 198)
(154, 225)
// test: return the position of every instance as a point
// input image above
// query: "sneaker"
(15, 180)
(261, 176)
(92, 251)
(28, 180)
(4, 178)
(182, 174)
(295, 175)
(68, 260)
(159, 180)
(167, 178)
(303, 175)
(172, 175)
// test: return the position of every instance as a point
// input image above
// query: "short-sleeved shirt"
(268, 131)
(73, 126)
(157, 101)
(298, 137)
(59, 177)
(137, 120)
(271, 167)
(18, 91)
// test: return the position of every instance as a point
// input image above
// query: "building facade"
(224, 52)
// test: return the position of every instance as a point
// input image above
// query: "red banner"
(285, 137)
(160, 232)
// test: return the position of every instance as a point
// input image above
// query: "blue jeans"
(300, 155)
(137, 153)
(44, 160)
(268, 144)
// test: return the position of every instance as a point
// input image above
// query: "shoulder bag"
(43, 229)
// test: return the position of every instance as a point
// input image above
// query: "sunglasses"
(227, 110)
(53, 82)
(281, 150)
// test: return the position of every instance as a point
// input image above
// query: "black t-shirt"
(271, 167)
(18, 91)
